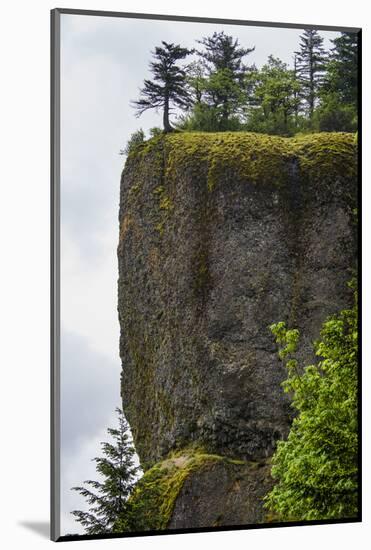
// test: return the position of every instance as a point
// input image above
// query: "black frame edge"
(55, 275)
(190, 19)
(359, 274)
(71, 538)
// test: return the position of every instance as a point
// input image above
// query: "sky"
(104, 61)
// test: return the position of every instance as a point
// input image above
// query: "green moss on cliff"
(257, 158)
(216, 158)
(165, 206)
(152, 503)
(253, 157)
(326, 155)
(148, 159)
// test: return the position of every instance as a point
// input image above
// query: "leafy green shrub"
(135, 139)
(207, 118)
(155, 131)
(316, 468)
(334, 116)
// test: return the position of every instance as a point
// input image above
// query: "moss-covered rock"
(222, 235)
(177, 493)
(253, 157)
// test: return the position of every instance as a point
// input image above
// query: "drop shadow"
(42, 528)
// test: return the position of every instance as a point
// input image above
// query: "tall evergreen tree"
(117, 467)
(338, 94)
(311, 65)
(343, 68)
(168, 87)
(223, 60)
(223, 52)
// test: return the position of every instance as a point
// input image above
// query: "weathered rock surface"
(222, 495)
(198, 490)
(220, 236)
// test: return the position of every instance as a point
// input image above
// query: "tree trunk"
(225, 115)
(296, 104)
(311, 96)
(166, 122)
(311, 81)
(296, 109)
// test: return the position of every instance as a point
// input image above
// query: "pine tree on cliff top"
(108, 499)
(222, 58)
(311, 66)
(168, 87)
(342, 73)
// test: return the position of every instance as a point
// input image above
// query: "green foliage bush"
(333, 116)
(155, 131)
(316, 467)
(135, 139)
(275, 101)
(207, 118)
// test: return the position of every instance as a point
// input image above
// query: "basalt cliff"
(221, 235)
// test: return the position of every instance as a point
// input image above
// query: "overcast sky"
(103, 63)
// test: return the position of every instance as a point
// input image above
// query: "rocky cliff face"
(222, 235)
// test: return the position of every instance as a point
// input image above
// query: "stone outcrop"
(222, 235)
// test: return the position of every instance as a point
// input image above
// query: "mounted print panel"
(205, 364)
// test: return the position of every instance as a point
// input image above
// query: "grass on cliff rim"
(257, 158)
(152, 503)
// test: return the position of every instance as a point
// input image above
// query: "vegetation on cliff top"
(256, 158)
(218, 91)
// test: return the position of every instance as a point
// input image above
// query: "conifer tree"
(223, 60)
(107, 500)
(168, 87)
(343, 68)
(337, 110)
(311, 65)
